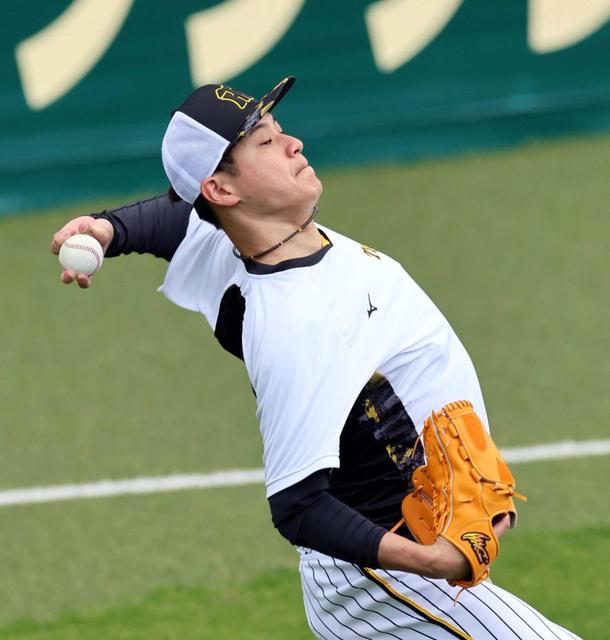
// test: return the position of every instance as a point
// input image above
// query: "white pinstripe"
(341, 601)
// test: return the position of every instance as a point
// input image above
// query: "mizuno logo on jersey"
(478, 542)
(371, 308)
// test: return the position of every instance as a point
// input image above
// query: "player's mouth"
(306, 166)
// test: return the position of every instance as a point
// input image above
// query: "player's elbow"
(289, 508)
(289, 528)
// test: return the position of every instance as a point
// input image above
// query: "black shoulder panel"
(230, 322)
(379, 451)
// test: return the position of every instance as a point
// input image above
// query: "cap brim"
(265, 105)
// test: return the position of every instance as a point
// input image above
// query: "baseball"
(81, 253)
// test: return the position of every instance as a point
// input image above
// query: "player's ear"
(218, 191)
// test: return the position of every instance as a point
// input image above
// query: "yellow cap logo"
(227, 94)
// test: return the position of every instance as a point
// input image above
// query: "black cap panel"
(228, 112)
(220, 108)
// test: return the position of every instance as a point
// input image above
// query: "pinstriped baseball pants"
(343, 601)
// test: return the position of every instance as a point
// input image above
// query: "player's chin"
(308, 179)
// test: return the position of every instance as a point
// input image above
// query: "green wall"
(481, 80)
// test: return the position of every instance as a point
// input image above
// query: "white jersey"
(344, 345)
(314, 332)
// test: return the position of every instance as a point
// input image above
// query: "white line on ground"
(557, 451)
(159, 484)
(240, 477)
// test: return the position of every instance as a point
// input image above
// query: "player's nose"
(294, 146)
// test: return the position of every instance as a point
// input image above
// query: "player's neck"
(273, 240)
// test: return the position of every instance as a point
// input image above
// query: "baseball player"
(346, 355)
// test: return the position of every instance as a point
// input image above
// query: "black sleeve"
(306, 514)
(155, 226)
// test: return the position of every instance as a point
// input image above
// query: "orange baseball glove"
(463, 488)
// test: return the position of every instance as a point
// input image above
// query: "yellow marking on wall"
(230, 37)
(556, 24)
(400, 29)
(56, 58)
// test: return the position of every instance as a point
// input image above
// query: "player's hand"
(100, 229)
(450, 563)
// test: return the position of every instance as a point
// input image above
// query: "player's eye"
(266, 142)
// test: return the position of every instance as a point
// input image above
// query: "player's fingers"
(501, 525)
(84, 281)
(67, 276)
(82, 224)
(60, 237)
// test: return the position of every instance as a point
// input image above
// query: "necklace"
(260, 254)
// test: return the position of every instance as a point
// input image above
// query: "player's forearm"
(396, 552)
(156, 226)
(439, 560)
(307, 515)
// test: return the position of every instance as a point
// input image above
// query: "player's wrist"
(401, 554)
(446, 561)
(103, 231)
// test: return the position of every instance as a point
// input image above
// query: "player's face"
(272, 172)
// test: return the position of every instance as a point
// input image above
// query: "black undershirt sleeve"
(157, 226)
(308, 515)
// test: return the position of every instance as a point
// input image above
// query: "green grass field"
(115, 382)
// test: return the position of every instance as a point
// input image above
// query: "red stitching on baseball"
(86, 248)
